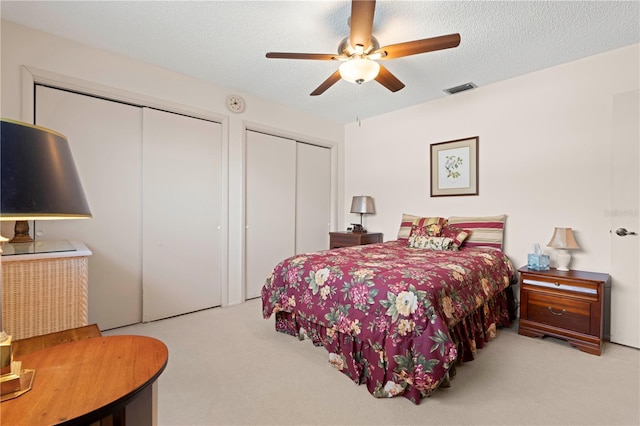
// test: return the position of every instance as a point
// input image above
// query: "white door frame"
(625, 199)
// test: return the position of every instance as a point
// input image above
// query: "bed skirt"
(353, 357)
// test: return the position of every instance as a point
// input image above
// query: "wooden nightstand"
(565, 304)
(348, 239)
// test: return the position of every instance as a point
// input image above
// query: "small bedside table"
(348, 239)
(44, 291)
(565, 304)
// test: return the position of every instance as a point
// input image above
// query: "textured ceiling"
(224, 42)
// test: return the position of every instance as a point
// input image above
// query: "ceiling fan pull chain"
(358, 105)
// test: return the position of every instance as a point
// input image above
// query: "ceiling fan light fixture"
(378, 54)
(359, 70)
(360, 50)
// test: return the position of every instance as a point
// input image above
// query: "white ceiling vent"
(461, 88)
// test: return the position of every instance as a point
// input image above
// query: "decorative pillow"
(405, 226)
(487, 231)
(430, 243)
(428, 226)
(409, 220)
(458, 235)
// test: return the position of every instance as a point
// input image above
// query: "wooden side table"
(348, 239)
(84, 381)
(565, 304)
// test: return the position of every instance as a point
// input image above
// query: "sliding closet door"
(313, 198)
(182, 198)
(105, 141)
(270, 206)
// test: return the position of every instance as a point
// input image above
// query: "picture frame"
(454, 167)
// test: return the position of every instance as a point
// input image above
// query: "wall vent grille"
(461, 88)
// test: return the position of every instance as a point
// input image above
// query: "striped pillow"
(485, 231)
(405, 226)
(458, 235)
(408, 220)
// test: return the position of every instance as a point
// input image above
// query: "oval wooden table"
(84, 381)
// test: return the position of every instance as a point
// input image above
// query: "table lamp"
(39, 178)
(563, 239)
(39, 181)
(362, 204)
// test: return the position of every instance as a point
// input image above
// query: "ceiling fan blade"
(361, 22)
(389, 80)
(314, 56)
(327, 83)
(420, 46)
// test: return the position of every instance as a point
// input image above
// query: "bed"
(397, 316)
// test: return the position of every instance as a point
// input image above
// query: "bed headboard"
(487, 231)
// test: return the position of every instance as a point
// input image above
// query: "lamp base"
(563, 258)
(24, 384)
(14, 381)
(21, 232)
(357, 228)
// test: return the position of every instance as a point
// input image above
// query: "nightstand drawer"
(348, 239)
(570, 314)
(587, 290)
(343, 240)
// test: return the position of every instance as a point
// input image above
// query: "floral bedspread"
(384, 311)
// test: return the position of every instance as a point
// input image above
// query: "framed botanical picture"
(454, 167)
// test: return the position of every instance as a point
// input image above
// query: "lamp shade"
(359, 70)
(563, 238)
(38, 175)
(362, 204)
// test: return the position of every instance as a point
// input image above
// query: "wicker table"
(44, 292)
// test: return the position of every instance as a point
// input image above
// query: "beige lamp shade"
(563, 238)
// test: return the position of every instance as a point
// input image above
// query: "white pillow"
(430, 243)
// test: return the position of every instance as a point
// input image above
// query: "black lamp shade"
(39, 177)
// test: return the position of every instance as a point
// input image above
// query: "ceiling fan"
(360, 51)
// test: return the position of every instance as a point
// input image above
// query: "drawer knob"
(564, 311)
(557, 284)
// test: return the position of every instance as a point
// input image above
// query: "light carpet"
(228, 366)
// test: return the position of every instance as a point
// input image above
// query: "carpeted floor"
(229, 366)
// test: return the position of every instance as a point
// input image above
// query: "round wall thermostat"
(235, 103)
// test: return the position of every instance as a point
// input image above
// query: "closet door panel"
(313, 198)
(270, 206)
(105, 142)
(181, 214)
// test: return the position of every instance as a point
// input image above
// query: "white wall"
(25, 47)
(544, 151)
(545, 142)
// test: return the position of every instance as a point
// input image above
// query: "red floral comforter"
(384, 311)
